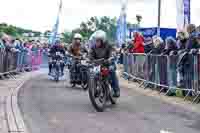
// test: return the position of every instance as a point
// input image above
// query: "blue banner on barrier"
(149, 32)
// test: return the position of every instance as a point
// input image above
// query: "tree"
(47, 32)
(139, 19)
(16, 31)
(104, 23)
(67, 37)
(86, 28)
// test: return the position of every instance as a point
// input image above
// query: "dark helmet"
(57, 42)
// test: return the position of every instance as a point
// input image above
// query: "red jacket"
(138, 44)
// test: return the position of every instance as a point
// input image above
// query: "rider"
(76, 49)
(101, 49)
(52, 54)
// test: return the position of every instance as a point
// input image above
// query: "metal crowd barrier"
(165, 72)
(18, 61)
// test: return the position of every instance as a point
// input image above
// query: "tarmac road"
(50, 107)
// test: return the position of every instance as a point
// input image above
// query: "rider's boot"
(116, 93)
(62, 69)
(115, 84)
(50, 67)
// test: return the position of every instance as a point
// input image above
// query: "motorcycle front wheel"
(97, 95)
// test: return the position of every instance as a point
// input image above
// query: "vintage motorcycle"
(78, 70)
(57, 61)
(100, 90)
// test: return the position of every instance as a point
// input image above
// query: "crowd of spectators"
(186, 43)
(187, 40)
(10, 44)
(14, 53)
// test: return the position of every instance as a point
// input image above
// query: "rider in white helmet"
(101, 49)
(77, 48)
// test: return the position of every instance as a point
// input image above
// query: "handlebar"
(101, 61)
(76, 57)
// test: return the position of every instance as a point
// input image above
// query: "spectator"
(182, 38)
(198, 38)
(2, 47)
(122, 51)
(170, 46)
(1, 44)
(148, 45)
(170, 75)
(138, 43)
(7, 43)
(198, 29)
(191, 43)
(8, 49)
(130, 45)
(191, 28)
(18, 44)
(158, 45)
(184, 63)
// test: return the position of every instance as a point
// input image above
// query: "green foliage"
(139, 19)
(16, 31)
(67, 37)
(47, 32)
(105, 23)
(86, 28)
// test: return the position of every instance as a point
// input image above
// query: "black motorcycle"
(100, 90)
(78, 72)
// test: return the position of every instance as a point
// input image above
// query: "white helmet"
(78, 36)
(100, 35)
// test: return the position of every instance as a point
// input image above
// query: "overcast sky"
(41, 14)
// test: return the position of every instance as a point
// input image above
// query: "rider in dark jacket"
(52, 55)
(100, 50)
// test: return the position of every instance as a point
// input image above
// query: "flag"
(122, 25)
(183, 13)
(119, 33)
(187, 17)
(56, 26)
(60, 6)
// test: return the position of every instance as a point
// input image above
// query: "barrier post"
(195, 77)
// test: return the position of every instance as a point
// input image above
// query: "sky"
(41, 14)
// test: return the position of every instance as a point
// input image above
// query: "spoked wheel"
(97, 95)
